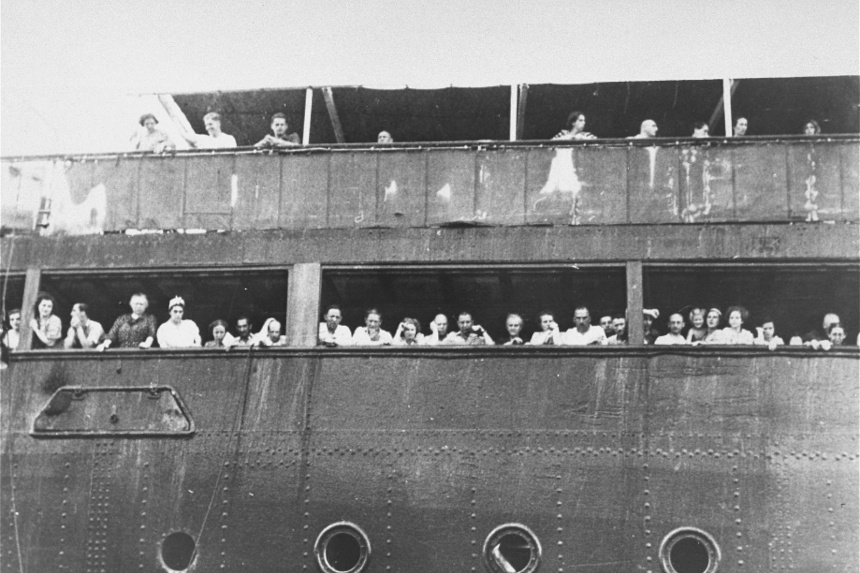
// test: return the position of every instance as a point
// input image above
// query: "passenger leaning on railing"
(220, 337)
(270, 334)
(47, 327)
(83, 332)
(549, 333)
(574, 128)
(12, 335)
(371, 334)
(583, 332)
(331, 332)
(514, 326)
(469, 334)
(178, 332)
(134, 330)
(674, 337)
(767, 335)
(408, 333)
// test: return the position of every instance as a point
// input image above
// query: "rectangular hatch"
(113, 411)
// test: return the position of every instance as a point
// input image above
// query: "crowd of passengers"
(152, 139)
(138, 329)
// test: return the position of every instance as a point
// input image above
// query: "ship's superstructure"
(500, 459)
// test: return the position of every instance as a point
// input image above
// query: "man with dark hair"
(331, 332)
(279, 136)
(469, 334)
(583, 332)
(245, 336)
(83, 332)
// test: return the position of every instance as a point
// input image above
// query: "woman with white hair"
(178, 332)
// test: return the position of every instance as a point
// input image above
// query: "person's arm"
(265, 142)
(34, 326)
(151, 329)
(69, 342)
(95, 336)
(195, 339)
(486, 336)
(111, 335)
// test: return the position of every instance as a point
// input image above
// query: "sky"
(70, 71)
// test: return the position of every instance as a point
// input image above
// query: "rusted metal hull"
(600, 452)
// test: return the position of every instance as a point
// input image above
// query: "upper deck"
(596, 182)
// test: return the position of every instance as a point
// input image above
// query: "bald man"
(647, 130)
(676, 325)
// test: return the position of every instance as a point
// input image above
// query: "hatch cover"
(77, 411)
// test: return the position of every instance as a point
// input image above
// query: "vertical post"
(309, 102)
(303, 305)
(32, 282)
(513, 121)
(635, 327)
(727, 106)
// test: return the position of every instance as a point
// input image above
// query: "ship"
(499, 459)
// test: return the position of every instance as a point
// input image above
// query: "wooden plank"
(304, 192)
(500, 187)
(760, 184)
(705, 187)
(551, 186)
(451, 187)
(162, 182)
(258, 191)
(653, 185)
(121, 179)
(303, 304)
(352, 190)
(602, 173)
(401, 189)
(815, 182)
(850, 170)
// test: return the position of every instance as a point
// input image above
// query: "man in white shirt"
(647, 130)
(331, 332)
(676, 325)
(216, 139)
(438, 331)
(583, 333)
(469, 334)
(83, 332)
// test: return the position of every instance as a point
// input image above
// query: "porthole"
(177, 551)
(342, 548)
(689, 550)
(512, 548)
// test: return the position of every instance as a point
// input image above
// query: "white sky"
(67, 66)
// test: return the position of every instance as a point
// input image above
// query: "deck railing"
(601, 182)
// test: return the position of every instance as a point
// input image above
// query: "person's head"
(372, 319)
(836, 334)
(767, 328)
(464, 323)
(619, 323)
(741, 127)
(701, 130)
(712, 319)
(218, 329)
(243, 326)
(514, 324)
(697, 317)
(14, 318)
(441, 324)
(606, 325)
(411, 328)
(384, 137)
(138, 303)
(545, 319)
(811, 127)
(648, 128)
(829, 319)
(148, 121)
(176, 306)
(279, 124)
(44, 305)
(676, 323)
(80, 311)
(212, 122)
(273, 331)
(649, 315)
(332, 317)
(576, 122)
(582, 319)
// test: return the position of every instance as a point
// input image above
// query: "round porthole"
(342, 548)
(689, 550)
(512, 548)
(177, 551)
